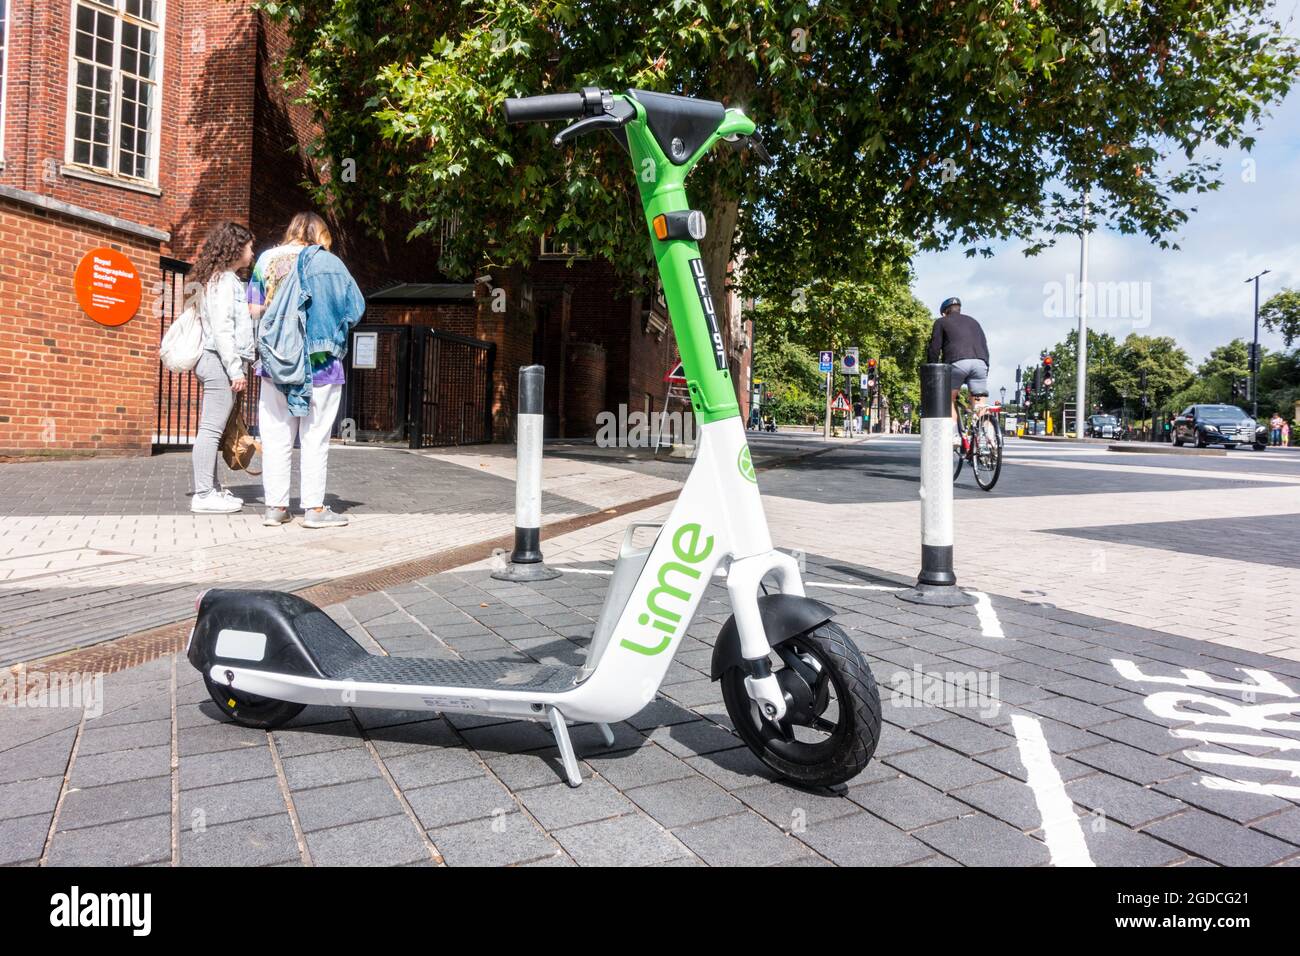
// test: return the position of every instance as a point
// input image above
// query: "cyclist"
(958, 340)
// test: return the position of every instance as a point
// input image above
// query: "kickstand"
(606, 734)
(561, 732)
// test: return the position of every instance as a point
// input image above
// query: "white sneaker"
(214, 503)
(229, 497)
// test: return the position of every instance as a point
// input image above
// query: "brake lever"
(620, 114)
(756, 144)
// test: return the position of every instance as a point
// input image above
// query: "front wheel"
(986, 457)
(832, 720)
(248, 710)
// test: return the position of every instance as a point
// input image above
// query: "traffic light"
(1142, 379)
(1047, 371)
(1038, 377)
(871, 373)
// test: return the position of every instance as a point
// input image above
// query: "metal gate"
(451, 389)
(179, 395)
(376, 401)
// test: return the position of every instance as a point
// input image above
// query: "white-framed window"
(4, 71)
(114, 87)
(552, 248)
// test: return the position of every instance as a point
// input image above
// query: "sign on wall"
(108, 287)
(365, 349)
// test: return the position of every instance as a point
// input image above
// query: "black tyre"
(986, 456)
(1200, 441)
(832, 722)
(1178, 443)
(248, 710)
(957, 458)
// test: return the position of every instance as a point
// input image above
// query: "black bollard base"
(936, 595)
(538, 571)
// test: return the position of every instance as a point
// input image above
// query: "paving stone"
(324, 807)
(115, 801)
(229, 802)
(632, 840)
(1120, 800)
(690, 800)
(414, 737)
(263, 841)
(964, 735)
(213, 738)
(388, 841)
(1132, 764)
(1076, 713)
(906, 803)
(319, 738)
(433, 765)
(694, 738)
(43, 757)
(733, 769)
(230, 766)
(1235, 805)
(23, 838)
(515, 736)
(1142, 735)
(150, 733)
(792, 808)
(980, 840)
(93, 770)
(26, 797)
(1010, 801)
(330, 767)
(1219, 840)
(500, 841)
(861, 839)
(133, 842)
(1284, 826)
(1112, 844)
(560, 805)
(942, 769)
(538, 768)
(641, 767)
(459, 801)
(745, 839)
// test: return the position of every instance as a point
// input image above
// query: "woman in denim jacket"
(305, 412)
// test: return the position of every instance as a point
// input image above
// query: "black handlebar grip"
(540, 109)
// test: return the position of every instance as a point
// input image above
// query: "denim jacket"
(312, 311)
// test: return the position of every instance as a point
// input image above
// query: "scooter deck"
(440, 672)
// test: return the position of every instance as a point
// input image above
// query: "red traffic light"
(871, 363)
(1047, 360)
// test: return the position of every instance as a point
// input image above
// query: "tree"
(880, 316)
(1102, 350)
(1281, 313)
(794, 390)
(1214, 377)
(891, 122)
(1165, 363)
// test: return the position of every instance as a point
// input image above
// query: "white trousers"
(278, 430)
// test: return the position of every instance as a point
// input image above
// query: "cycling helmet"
(948, 304)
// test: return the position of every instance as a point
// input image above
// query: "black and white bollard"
(526, 562)
(936, 584)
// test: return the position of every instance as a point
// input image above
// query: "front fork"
(743, 580)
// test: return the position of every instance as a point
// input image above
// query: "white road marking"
(1061, 828)
(568, 570)
(990, 626)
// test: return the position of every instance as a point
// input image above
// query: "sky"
(1196, 294)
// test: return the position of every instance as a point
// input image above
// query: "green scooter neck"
(697, 322)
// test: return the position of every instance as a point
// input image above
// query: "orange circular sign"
(108, 287)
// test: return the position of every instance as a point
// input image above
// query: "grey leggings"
(218, 399)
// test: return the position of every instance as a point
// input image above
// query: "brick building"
(134, 125)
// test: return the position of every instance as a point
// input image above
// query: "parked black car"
(1225, 425)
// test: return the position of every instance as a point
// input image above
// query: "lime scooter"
(796, 689)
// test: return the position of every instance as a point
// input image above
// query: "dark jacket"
(957, 337)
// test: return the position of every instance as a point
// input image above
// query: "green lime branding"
(661, 613)
(746, 465)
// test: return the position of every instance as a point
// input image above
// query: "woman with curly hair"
(227, 346)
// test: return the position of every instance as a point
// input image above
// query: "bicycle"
(981, 443)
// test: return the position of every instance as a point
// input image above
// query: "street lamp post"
(1254, 351)
(1081, 352)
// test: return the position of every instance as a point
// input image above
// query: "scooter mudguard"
(268, 630)
(784, 616)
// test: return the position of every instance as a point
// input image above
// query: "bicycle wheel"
(986, 456)
(957, 455)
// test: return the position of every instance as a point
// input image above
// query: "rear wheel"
(832, 720)
(249, 710)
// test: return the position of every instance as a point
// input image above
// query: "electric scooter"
(796, 689)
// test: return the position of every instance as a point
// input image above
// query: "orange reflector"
(660, 226)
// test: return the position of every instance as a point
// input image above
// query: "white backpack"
(182, 345)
